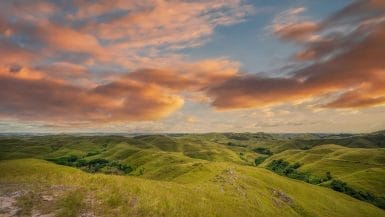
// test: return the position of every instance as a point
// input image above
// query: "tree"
(338, 185)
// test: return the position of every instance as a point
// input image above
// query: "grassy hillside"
(362, 168)
(215, 189)
(214, 146)
(185, 175)
(372, 140)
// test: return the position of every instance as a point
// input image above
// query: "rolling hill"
(361, 168)
(185, 175)
(213, 189)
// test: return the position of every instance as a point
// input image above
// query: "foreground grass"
(70, 204)
(210, 189)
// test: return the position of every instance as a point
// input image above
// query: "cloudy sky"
(192, 66)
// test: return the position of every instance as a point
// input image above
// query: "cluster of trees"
(259, 160)
(291, 170)
(341, 186)
(95, 165)
(261, 150)
(264, 151)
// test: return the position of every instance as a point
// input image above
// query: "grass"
(361, 168)
(226, 190)
(71, 204)
(192, 174)
(284, 168)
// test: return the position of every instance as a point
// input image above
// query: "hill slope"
(222, 189)
(361, 168)
(186, 175)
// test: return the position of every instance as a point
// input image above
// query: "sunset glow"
(192, 66)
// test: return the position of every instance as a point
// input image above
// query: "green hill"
(185, 175)
(363, 169)
(214, 189)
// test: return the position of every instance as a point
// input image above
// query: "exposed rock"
(8, 205)
(230, 177)
(280, 198)
(47, 198)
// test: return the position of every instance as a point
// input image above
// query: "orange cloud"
(303, 31)
(162, 22)
(290, 26)
(355, 99)
(112, 32)
(17, 71)
(349, 65)
(188, 76)
(46, 75)
(11, 54)
(67, 39)
(147, 94)
(46, 100)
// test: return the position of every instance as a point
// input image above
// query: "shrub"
(259, 160)
(278, 166)
(261, 150)
(67, 161)
(338, 185)
(380, 202)
(95, 165)
(70, 205)
(81, 163)
(291, 170)
(343, 187)
(314, 180)
(296, 165)
(125, 168)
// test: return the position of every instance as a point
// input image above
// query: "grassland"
(186, 175)
(362, 168)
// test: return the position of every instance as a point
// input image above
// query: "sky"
(171, 66)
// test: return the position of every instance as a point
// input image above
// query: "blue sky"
(252, 44)
(192, 66)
